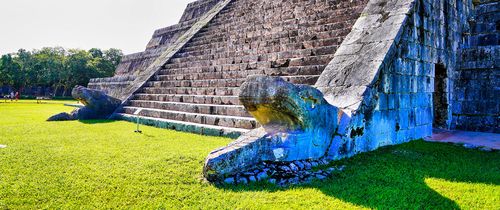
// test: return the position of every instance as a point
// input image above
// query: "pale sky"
(124, 24)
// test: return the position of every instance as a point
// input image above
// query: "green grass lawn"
(104, 164)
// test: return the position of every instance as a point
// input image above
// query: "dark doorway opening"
(440, 97)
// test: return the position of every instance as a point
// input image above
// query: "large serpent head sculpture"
(98, 105)
(297, 124)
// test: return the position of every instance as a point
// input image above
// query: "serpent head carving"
(297, 124)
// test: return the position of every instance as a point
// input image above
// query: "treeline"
(56, 68)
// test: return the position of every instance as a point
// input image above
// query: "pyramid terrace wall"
(384, 78)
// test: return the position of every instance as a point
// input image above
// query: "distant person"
(12, 96)
(17, 96)
(39, 96)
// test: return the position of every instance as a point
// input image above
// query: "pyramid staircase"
(197, 89)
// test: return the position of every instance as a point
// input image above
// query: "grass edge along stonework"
(104, 164)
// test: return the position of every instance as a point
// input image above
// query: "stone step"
(489, 8)
(309, 50)
(326, 30)
(226, 19)
(299, 79)
(196, 83)
(220, 91)
(479, 54)
(480, 58)
(214, 66)
(246, 63)
(228, 15)
(211, 109)
(492, 39)
(481, 65)
(199, 99)
(208, 66)
(220, 47)
(163, 75)
(237, 44)
(485, 28)
(487, 19)
(211, 67)
(248, 56)
(216, 120)
(289, 71)
(323, 31)
(202, 129)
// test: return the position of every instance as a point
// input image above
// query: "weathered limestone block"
(98, 105)
(297, 124)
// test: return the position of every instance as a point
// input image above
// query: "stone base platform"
(202, 129)
(486, 141)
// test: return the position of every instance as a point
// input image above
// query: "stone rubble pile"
(285, 173)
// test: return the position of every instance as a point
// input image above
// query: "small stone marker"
(3, 146)
(137, 113)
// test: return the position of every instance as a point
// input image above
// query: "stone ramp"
(201, 82)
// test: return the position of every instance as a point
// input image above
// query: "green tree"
(11, 72)
(49, 63)
(28, 75)
(56, 67)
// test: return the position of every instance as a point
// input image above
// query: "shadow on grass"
(91, 122)
(34, 102)
(394, 177)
